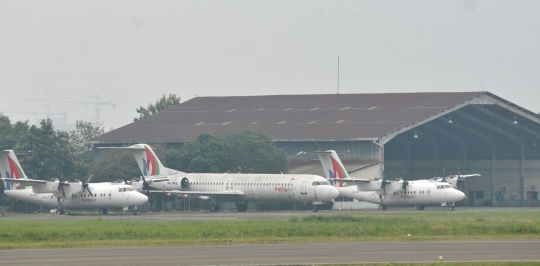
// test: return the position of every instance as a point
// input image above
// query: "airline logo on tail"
(150, 165)
(339, 171)
(14, 172)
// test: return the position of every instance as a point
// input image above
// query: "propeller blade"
(90, 192)
(88, 181)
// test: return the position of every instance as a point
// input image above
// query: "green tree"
(9, 134)
(244, 152)
(83, 132)
(161, 104)
(115, 165)
(52, 154)
(255, 152)
(208, 154)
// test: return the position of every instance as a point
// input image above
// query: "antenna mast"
(338, 74)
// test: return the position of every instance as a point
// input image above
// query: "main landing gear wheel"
(382, 207)
(60, 211)
(102, 211)
(420, 207)
(314, 208)
(214, 207)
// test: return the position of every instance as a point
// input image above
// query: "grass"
(376, 226)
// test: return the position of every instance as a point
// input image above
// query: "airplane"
(65, 195)
(240, 188)
(454, 180)
(386, 192)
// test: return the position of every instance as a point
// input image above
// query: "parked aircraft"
(240, 188)
(65, 195)
(385, 192)
(454, 180)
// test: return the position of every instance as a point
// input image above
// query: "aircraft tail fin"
(11, 168)
(332, 165)
(148, 162)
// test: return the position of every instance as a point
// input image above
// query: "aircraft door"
(227, 185)
(303, 190)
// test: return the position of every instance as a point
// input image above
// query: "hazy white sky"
(132, 52)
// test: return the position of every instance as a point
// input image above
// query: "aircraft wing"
(226, 194)
(351, 180)
(24, 181)
(471, 175)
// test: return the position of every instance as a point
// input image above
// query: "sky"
(60, 56)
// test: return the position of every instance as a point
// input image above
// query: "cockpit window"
(447, 186)
(316, 183)
(324, 183)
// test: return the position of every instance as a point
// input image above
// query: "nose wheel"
(452, 207)
(382, 207)
(134, 211)
(103, 211)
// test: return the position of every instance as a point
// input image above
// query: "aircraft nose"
(459, 195)
(139, 198)
(332, 193)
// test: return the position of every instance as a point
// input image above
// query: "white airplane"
(454, 180)
(240, 188)
(385, 192)
(65, 195)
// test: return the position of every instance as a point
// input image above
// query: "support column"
(493, 161)
(436, 146)
(522, 175)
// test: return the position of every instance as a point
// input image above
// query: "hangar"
(386, 135)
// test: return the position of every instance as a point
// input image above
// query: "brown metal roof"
(290, 117)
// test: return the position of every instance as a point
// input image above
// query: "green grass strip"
(377, 226)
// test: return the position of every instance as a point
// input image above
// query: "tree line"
(65, 155)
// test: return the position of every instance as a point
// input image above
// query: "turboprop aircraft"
(454, 180)
(240, 188)
(385, 192)
(65, 195)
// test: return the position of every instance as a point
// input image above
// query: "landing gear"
(420, 207)
(452, 207)
(134, 211)
(103, 211)
(382, 207)
(214, 207)
(241, 207)
(60, 211)
(314, 208)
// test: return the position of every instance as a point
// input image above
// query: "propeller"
(383, 185)
(404, 185)
(61, 185)
(146, 185)
(85, 186)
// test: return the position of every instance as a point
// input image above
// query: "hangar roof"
(378, 116)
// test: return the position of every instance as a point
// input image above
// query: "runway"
(283, 254)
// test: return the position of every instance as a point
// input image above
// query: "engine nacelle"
(184, 183)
